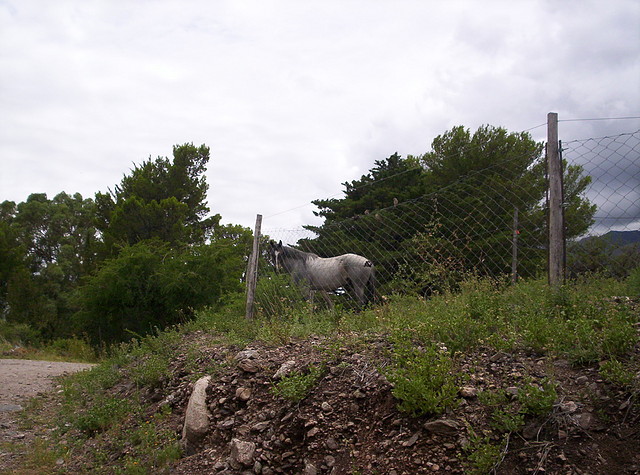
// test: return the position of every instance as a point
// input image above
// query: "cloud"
(294, 98)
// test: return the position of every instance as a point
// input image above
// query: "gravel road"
(23, 379)
(19, 381)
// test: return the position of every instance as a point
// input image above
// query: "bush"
(149, 286)
(296, 385)
(423, 379)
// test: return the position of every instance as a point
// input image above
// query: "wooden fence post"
(252, 269)
(556, 204)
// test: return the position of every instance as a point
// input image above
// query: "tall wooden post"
(556, 204)
(252, 269)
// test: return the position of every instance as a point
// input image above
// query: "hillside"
(378, 399)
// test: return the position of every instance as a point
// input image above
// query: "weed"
(296, 385)
(104, 412)
(150, 371)
(483, 455)
(616, 372)
(537, 400)
(506, 421)
(423, 379)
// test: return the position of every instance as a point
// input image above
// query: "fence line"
(430, 242)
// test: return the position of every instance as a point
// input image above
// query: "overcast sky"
(294, 97)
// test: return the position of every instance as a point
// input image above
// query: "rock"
(569, 407)
(246, 355)
(242, 453)
(512, 391)
(468, 392)
(531, 430)
(358, 394)
(332, 444)
(284, 369)
(443, 426)
(243, 394)
(583, 420)
(412, 440)
(330, 461)
(309, 468)
(196, 419)
(326, 407)
(248, 366)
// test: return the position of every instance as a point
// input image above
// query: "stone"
(309, 468)
(284, 369)
(443, 426)
(332, 444)
(569, 407)
(242, 453)
(412, 440)
(243, 394)
(248, 366)
(584, 420)
(197, 416)
(246, 355)
(468, 392)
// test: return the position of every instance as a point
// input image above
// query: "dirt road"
(23, 379)
(19, 381)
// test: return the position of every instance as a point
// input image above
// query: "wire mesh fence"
(491, 220)
(613, 241)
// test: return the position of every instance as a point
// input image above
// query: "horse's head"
(276, 251)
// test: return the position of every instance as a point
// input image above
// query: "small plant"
(507, 421)
(296, 385)
(505, 417)
(151, 371)
(423, 380)
(616, 372)
(537, 400)
(102, 414)
(483, 455)
(633, 282)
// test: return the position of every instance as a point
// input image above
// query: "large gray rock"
(196, 420)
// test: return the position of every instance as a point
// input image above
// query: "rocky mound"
(349, 423)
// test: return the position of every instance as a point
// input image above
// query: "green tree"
(451, 210)
(46, 246)
(160, 199)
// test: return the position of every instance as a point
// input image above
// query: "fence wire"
(482, 224)
(612, 244)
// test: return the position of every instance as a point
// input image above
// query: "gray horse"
(352, 272)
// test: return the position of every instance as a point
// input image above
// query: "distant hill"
(615, 238)
(622, 238)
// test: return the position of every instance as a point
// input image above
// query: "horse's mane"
(297, 254)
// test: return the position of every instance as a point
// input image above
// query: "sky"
(296, 97)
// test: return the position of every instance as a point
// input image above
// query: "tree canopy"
(144, 255)
(160, 199)
(451, 208)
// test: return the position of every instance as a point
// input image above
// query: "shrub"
(296, 385)
(423, 379)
